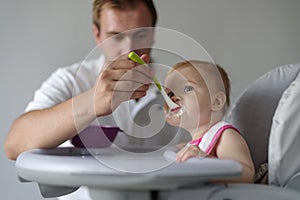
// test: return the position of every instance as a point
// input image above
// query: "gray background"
(247, 37)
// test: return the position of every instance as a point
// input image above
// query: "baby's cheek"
(166, 109)
(172, 119)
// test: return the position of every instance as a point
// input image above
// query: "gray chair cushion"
(253, 111)
(284, 159)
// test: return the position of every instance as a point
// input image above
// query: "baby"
(202, 92)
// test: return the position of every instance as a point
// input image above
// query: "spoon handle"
(134, 57)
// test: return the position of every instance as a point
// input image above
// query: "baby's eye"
(170, 94)
(188, 88)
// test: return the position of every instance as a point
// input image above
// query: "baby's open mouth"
(175, 109)
(176, 112)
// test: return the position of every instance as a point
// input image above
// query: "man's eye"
(170, 94)
(141, 35)
(188, 88)
(118, 37)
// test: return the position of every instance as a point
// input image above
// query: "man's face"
(123, 31)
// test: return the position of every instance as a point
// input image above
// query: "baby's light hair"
(223, 74)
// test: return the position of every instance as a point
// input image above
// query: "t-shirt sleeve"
(56, 89)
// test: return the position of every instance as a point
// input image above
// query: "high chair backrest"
(253, 114)
(284, 142)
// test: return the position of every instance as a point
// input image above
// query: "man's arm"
(120, 81)
(49, 127)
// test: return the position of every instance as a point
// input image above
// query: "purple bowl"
(95, 137)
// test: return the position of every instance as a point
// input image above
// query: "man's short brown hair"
(99, 5)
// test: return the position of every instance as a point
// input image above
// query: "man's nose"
(127, 46)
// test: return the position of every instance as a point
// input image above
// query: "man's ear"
(96, 33)
(218, 101)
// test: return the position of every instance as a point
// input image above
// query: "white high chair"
(267, 115)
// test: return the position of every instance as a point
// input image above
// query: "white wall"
(247, 37)
(36, 37)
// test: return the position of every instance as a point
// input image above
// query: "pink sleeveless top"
(209, 139)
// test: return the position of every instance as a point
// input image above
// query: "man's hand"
(119, 81)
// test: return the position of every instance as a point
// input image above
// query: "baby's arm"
(232, 146)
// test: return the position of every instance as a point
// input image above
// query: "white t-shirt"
(143, 119)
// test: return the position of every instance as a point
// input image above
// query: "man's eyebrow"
(113, 33)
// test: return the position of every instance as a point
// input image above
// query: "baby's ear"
(218, 101)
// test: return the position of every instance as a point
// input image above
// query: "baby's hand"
(180, 146)
(188, 152)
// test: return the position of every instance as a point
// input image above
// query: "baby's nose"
(174, 98)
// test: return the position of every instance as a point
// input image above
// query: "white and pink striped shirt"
(209, 139)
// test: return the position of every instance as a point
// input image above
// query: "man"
(76, 96)
(86, 93)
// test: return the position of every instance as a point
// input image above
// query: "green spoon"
(134, 57)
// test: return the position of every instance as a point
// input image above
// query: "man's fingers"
(141, 74)
(120, 64)
(122, 80)
(146, 58)
(130, 86)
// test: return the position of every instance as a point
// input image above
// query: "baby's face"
(186, 87)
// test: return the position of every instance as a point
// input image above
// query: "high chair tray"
(117, 168)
